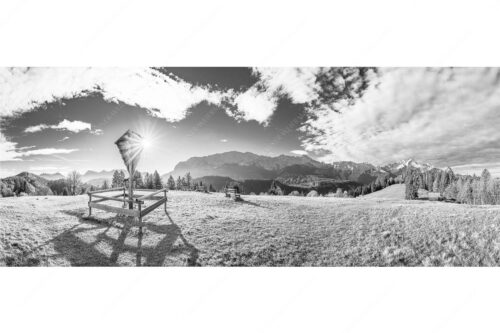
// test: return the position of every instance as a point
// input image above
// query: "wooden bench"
(201, 188)
(123, 197)
(232, 193)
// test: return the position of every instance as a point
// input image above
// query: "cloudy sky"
(60, 119)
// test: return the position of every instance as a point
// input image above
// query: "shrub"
(313, 193)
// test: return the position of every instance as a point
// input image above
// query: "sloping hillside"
(209, 229)
(395, 192)
(24, 183)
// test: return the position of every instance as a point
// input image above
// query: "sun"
(146, 142)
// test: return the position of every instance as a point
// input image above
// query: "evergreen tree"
(411, 183)
(150, 182)
(451, 191)
(118, 178)
(145, 176)
(189, 179)
(429, 181)
(437, 181)
(105, 185)
(179, 183)
(485, 197)
(476, 192)
(495, 191)
(171, 183)
(465, 193)
(138, 180)
(157, 183)
(446, 179)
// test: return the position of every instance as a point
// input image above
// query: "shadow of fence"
(71, 245)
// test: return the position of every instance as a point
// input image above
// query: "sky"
(61, 119)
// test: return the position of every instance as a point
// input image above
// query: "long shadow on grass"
(156, 256)
(82, 253)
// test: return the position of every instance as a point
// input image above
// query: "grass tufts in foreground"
(209, 229)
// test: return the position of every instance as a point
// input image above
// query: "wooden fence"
(137, 202)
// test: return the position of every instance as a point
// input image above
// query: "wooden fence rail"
(135, 201)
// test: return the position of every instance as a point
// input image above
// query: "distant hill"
(52, 176)
(100, 175)
(98, 181)
(239, 165)
(24, 183)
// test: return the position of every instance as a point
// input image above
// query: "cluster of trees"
(186, 183)
(483, 190)
(141, 180)
(71, 185)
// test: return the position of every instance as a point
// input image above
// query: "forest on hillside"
(474, 190)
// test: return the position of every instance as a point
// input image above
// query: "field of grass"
(208, 229)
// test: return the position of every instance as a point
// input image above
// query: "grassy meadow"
(200, 229)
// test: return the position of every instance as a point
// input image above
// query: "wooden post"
(124, 197)
(140, 217)
(130, 191)
(165, 195)
(90, 200)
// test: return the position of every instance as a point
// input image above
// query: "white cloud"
(9, 152)
(64, 139)
(260, 101)
(47, 151)
(165, 96)
(36, 128)
(477, 169)
(22, 89)
(256, 105)
(299, 152)
(223, 140)
(442, 116)
(298, 83)
(72, 126)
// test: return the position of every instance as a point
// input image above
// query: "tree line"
(71, 185)
(474, 190)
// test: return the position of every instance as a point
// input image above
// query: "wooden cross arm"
(112, 198)
(108, 190)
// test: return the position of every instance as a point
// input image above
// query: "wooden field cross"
(130, 145)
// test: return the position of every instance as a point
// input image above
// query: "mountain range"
(52, 176)
(257, 172)
(90, 177)
(298, 170)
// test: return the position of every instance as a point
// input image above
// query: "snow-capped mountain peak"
(414, 164)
